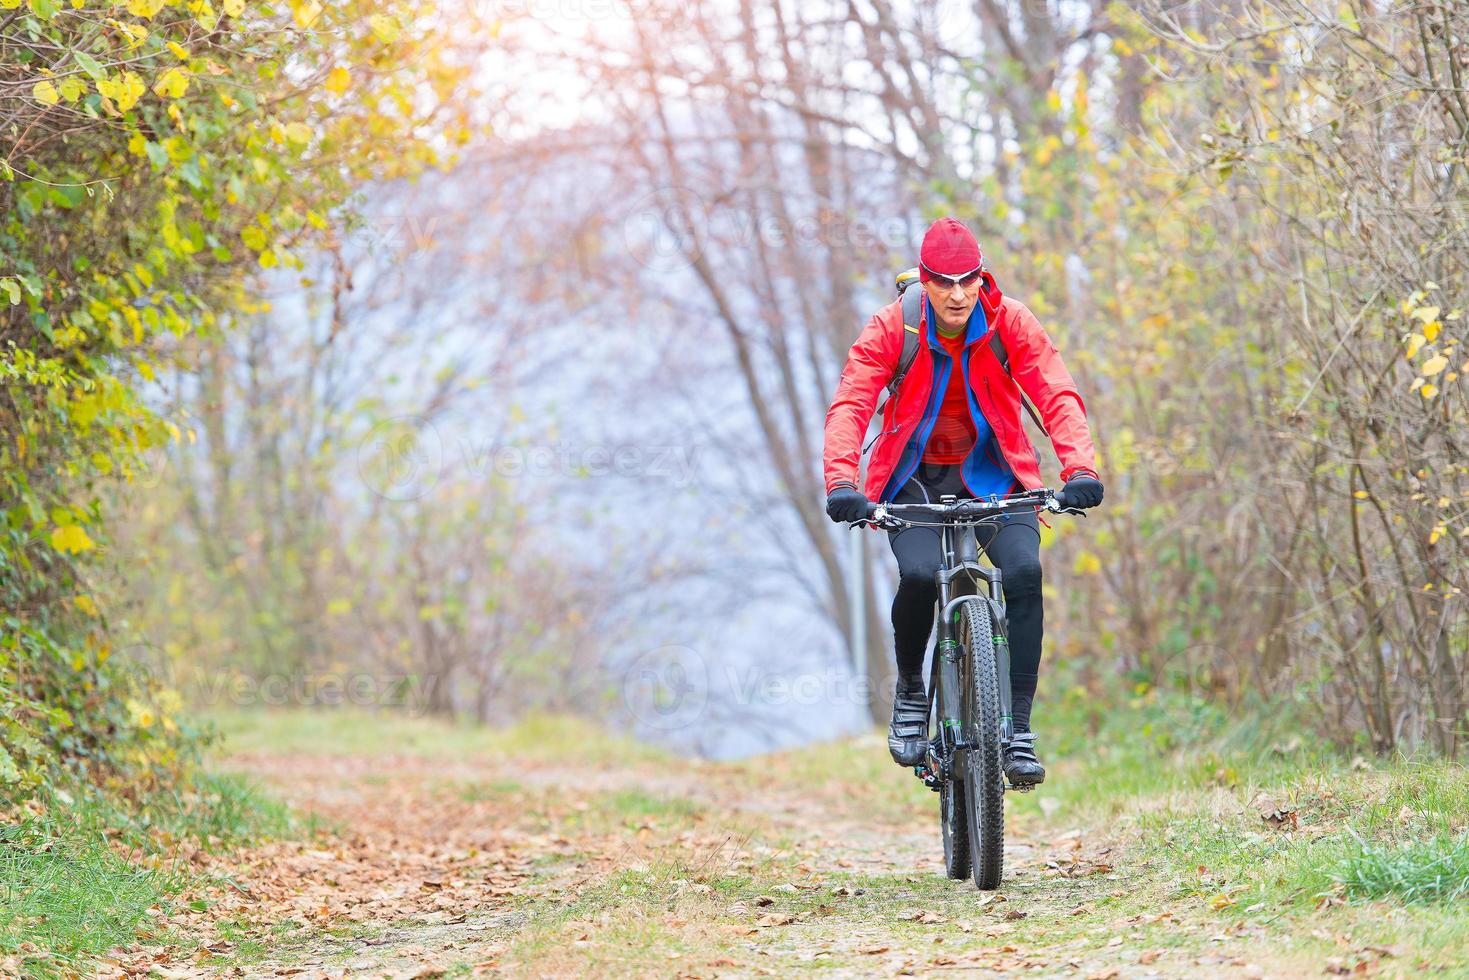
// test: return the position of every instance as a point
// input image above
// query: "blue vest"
(984, 471)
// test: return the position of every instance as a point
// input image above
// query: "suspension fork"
(961, 561)
(946, 657)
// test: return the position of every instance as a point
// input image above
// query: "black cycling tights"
(1012, 546)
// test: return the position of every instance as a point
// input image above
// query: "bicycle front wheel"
(984, 777)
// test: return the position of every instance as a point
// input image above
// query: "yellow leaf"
(385, 28)
(1434, 365)
(234, 7)
(142, 715)
(298, 132)
(339, 80)
(1431, 329)
(71, 538)
(204, 13)
(1360, 495)
(45, 93)
(173, 84)
(124, 91)
(144, 8)
(135, 33)
(1087, 564)
(1415, 343)
(85, 604)
(306, 14)
(179, 51)
(9, 4)
(1428, 391)
(1437, 533)
(1426, 313)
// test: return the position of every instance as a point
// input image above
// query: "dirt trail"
(433, 867)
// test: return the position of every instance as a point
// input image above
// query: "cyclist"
(953, 427)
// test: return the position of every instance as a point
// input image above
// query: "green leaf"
(89, 65)
(8, 771)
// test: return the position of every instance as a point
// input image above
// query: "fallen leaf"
(1395, 952)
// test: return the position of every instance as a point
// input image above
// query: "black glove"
(1080, 491)
(846, 504)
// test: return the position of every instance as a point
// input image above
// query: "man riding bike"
(953, 426)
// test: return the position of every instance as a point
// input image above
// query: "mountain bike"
(969, 680)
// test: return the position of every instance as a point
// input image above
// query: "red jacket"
(1034, 362)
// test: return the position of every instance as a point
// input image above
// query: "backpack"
(913, 316)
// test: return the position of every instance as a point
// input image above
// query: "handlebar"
(892, 516)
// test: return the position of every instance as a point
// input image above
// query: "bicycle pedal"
(1019, 789)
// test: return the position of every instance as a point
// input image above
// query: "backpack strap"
(1003, 356)
(912, 317)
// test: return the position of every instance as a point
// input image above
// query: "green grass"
(630, 804)
(64, 887)
(70, 893)
(362, 732)
(1433, 870)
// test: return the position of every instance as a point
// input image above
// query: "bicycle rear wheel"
(984, 778)
(953, 814)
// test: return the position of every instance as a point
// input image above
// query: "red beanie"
(948, 249)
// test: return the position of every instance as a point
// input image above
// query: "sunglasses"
(966, 279)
